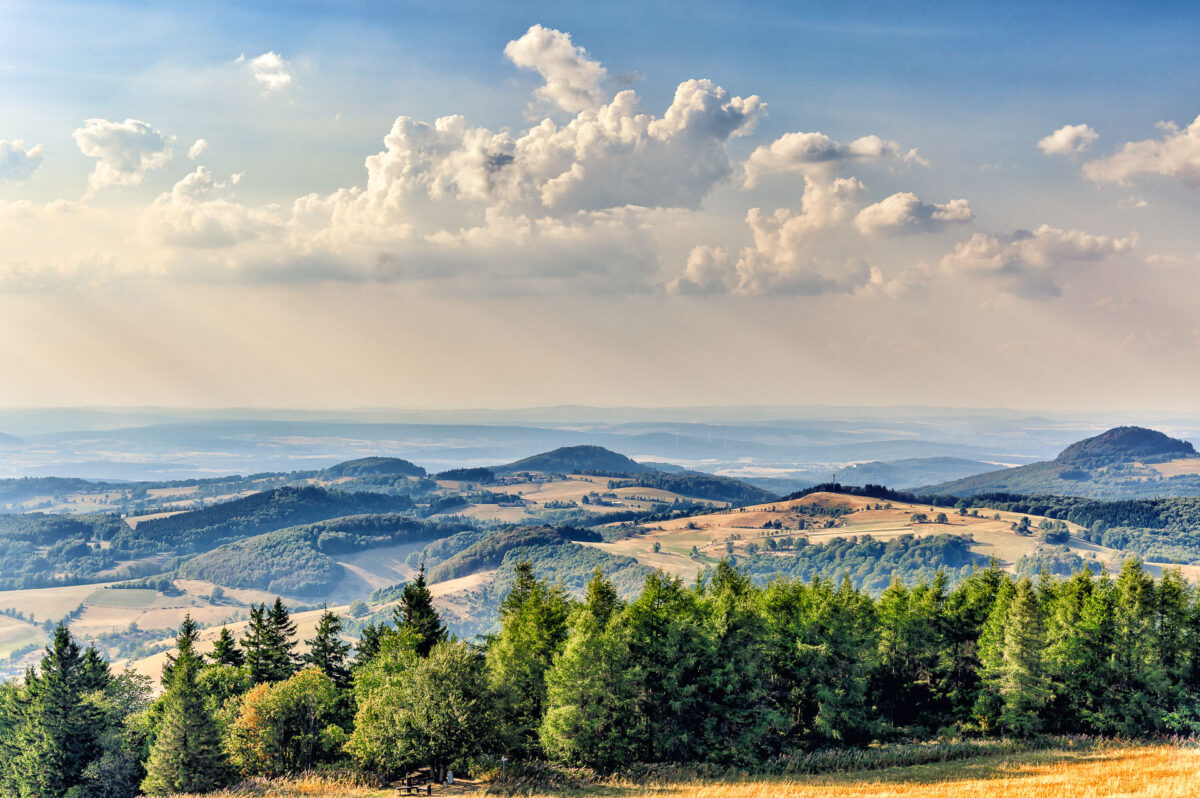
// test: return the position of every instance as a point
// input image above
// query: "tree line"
(723, 672)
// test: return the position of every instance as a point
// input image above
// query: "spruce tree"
(61, 731)
(267, 644)
(416, 614)
(327, 651)
(187, 755)
(1024, 687)
(185, 642)
(225, 650)
(591, 703)
(285, 638)
(533, 628)
(369, 641)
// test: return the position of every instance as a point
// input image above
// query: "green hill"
(1118, 464)
(577, 460)
(375, 466)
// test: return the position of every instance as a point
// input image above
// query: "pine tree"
(187, 755)
(1024, 687)
(416, 614)
(988, 704)
(225, 650)
(327, 651)
(369, 640)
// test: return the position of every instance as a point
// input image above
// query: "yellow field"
(1151, 771)
(15, 634)
(709, 533)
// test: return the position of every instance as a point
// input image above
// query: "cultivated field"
(710, 533)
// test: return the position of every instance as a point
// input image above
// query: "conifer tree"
(986, 712)
(533, 628)
(185, 642)
(591, 703)
(187, 755)
(1024, 687)
(369, 641)
(327, 651)
(267, 644)
(225, 650)
(60, 732)
(416, 614)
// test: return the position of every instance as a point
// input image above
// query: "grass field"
(1152, 771)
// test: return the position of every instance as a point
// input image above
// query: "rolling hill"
(576, 460)
(1122, 463)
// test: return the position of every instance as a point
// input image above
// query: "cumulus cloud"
(1027, 263)
(1176, 154)
(792, 253)
(197, 149)
(904, 213)
(1068, 140)
(197, 212)
(807, 152)
(270, 71)
(574, 82)
(124, 151)
(617, 155)
(18, 162)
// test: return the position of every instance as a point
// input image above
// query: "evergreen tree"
(185, 642)
(1024, 687)
(327, 651)
(416, 614)
(266, 643)
(591, 702)
(990, 648)
(369, 640)
(225, 650)
(284, 638)
(533, 628)
(59, 732)
(187, 755)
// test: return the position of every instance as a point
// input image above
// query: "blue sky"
(858, 187)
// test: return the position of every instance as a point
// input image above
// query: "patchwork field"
(881, 520)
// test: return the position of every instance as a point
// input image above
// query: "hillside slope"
(576, 460)
(1122, 463)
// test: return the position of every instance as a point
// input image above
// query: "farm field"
(709, 533)
(1149, 771)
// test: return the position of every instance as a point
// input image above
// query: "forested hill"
(577, 460)
(375, 466)
(262, 512)
(1122, 463)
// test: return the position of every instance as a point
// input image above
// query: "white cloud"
(1176, 154)
(793, 253)
(124, 151)
(808, 152)
(1028, 264)
(574, 82)
(18, 162)
(1068, 140)
(904, 212)
(270, 71)
(197, 149)
(198, 213)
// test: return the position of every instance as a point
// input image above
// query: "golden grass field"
(1152, 771)
(709, 533)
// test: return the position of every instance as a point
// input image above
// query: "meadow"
(1104, 769)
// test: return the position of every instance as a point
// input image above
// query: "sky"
(343, 205)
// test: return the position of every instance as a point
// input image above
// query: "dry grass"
(1152, 771)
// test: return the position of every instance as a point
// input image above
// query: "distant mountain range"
(1122, 463)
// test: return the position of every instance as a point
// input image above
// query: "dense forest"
(698, 486)
(725, 672)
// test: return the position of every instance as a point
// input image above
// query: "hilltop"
(577, 460)
(1122, 463)
(375, 466)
